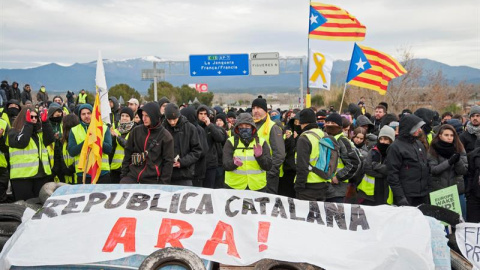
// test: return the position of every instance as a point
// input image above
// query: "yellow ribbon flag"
(320, 66)
(92, 150)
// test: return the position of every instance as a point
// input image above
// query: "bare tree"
(437, 91)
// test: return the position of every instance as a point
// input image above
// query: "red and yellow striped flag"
(91, 155)
(329, 22)
(373, 69)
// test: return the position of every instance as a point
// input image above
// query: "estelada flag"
(92, 150)
(329, 22)
(372, 69)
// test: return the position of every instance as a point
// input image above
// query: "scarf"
(444, 149)
(124, 128)
(474, 130)
(267, 122)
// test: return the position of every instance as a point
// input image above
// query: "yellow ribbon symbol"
(319, 70)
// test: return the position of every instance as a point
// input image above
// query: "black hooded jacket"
(157, 141)
(214, 135)
(115, 114)
(26, 95)
(14, 92)
(427, 116)
(201, 164)
(186, 146)
(407, 162)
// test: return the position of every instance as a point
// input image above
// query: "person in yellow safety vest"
(119, 139)
(82, 97)
(4, 177)
(349, 161)
(13, 109)
(246, 157)
(68, 162)
(273, 135)
(55, 117)
(75, 143)
(308, 185)
(29, 162)
(59, 100)
(373, 188)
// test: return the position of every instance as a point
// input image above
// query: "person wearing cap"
(149, 150)
(12, 110)
(471, 137)
(59, 101)
(42, 95)
(187, 149)
(246, 157)
(55, 117)
(321, 116)
(214, 135)
(77, 138)
(308, 185)
(427, 116)
(373, 188)
(365, 123)
(349, 161)
(273, 135)
(231, 118)
(133, 104)
(407, 164)
(82, 97)
(119, 140)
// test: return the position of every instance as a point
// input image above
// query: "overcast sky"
(36, 32)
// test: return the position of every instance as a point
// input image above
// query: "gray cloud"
(42, 31)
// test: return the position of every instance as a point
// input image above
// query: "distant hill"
(78, 76)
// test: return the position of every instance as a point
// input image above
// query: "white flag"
(101, 85)
(319, 69)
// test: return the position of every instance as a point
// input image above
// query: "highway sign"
(219, 65)
(149, 74)
(264, 67)
(268, 55)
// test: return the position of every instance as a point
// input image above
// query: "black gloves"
(401, 201)
(454, 159)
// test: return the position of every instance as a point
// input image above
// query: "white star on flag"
(313, 19)
(360, 64)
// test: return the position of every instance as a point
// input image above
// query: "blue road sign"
(219, 65)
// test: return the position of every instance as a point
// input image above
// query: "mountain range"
(58, 78)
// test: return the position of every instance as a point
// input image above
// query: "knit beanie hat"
(172, 111)
(474, 110)
(388, 132)
(307, 116)
(260, 102)
(335, 118)
(128, 111)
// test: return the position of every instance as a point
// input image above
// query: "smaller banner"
(447, 198)
(319, 70)
(200, 87)
(468, 240)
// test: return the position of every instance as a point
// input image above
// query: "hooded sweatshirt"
(407, 162)
(201, 164)
(26, 95)
(157, 145)
(214, 135)
(42, 95)
(14, 92)
(115, 115)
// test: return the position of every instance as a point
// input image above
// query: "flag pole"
(343, 96)
(86, 166)
(306, 102)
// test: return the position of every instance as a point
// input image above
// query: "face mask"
(275, 118)
(57, 119)
(321, 125)
(13, 111)
(382, 147)
(297, 129)
(333, 130)
(245, 133)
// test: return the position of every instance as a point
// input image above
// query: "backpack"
(356, 158)
(326, 165)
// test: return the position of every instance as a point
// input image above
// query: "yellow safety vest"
(312, 177)
(24, 163)
(266, 137)
(82, 98)
(430, 137)
(3, 160)
(340, 161)
(249, 174)
(118, 156)
(68, 160)
(80, 135)
(367, 185)
(5, 116)
(65, 111)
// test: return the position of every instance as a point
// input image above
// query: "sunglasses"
(33, 116)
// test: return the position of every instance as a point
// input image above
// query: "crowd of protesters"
(384, 158)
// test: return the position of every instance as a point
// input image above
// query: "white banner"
(468, 240)
(227, 226)
(101, 85)
(319, 70)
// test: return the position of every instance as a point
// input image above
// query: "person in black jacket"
(471, 137)
(115, 111)
(187, 148)
(152, 148)
(201, 164)
(286, 185)
(214, 135)
(26, 94)
(221, 122)
(14, 92)
(407, 164)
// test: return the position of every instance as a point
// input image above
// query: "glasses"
(33, 116)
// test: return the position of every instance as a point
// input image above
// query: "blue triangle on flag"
(316, 19)
(358, 64)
